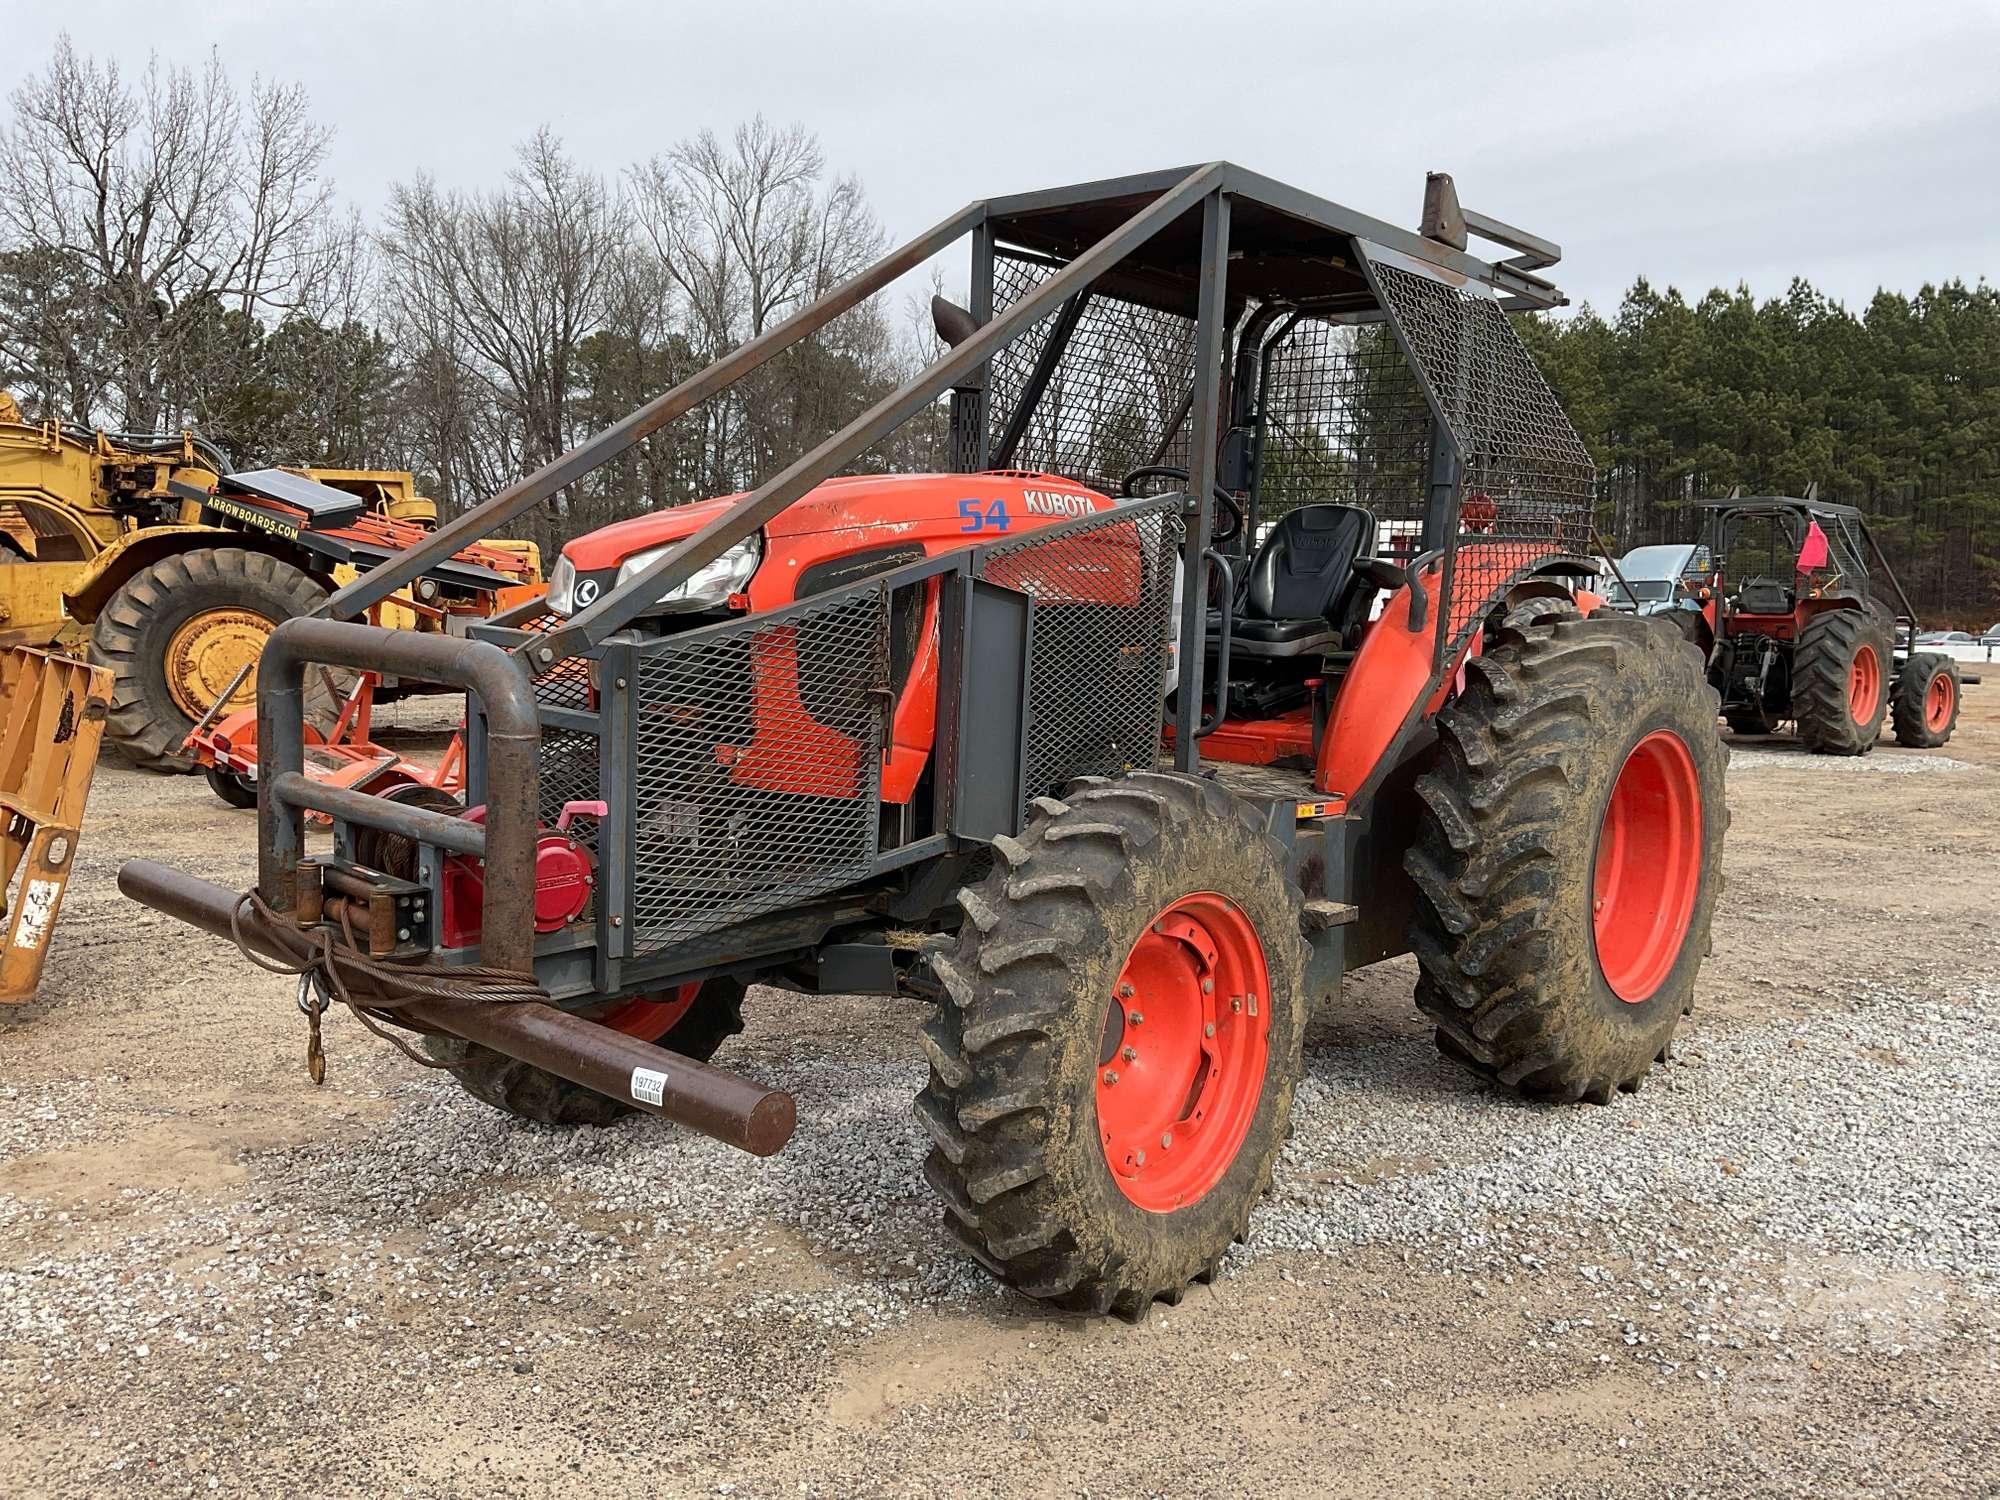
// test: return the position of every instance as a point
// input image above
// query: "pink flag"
(1814, 553)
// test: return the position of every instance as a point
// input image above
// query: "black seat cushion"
(1305, 568)
(1764, 596)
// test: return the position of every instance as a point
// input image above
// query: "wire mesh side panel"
(757, 764)
(1345, 422)
(1116, 399)
(1526, 489)
(1103, 591)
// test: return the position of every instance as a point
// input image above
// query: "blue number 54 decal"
(975, 515)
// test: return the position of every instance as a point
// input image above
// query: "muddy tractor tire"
(693, 1020)
(1569, 855)
(175, 633)
(1840, 681)
(1925, 710)
(1122, 1027)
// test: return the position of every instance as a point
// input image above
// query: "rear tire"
(136, 632)
(521, 1089)
(1927, 700)
(1558, 945)
(1061, 1186)
(1840, 681)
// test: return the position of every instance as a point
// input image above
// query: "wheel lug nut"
(1236, 1002)
(1124, 992)
(1129, 1053)
(1110, 1076)
(1136, 1018)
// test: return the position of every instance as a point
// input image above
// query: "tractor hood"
(872, 507)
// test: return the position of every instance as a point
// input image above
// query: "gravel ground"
(1776, 1270)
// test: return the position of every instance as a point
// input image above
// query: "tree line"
(1894, 409)
(172, 254)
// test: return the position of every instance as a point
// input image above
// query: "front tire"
(1569, 855)
(1113, 1064)
(693, 1020)
(1927, 697)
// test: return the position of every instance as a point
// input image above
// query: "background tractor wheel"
(1840, 681)
(232, 787)
(1569, 855)
(693, 1020)
(176, 633)
(1926, 704)
(1123, 1024)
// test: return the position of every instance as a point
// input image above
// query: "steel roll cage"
(498, 668)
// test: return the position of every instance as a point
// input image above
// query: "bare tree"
(748, 231)
(505, 287)
(145, 214)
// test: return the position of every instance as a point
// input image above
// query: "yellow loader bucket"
(51, 717)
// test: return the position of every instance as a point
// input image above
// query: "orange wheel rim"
(1183, 1053)
(1864, 683)
(1648, 867)
(650, 1017)
(1939, 700)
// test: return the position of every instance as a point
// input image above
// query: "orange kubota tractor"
(1245, 644)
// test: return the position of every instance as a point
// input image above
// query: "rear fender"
(1387, 691)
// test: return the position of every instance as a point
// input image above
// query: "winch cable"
(338, 970)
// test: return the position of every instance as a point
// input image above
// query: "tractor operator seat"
(1300, 594)
(1765, 596)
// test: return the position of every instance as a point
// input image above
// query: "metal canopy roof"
(1772, 504)
(1285, 245)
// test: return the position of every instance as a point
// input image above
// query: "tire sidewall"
(1637, 1022)
(1170, 1247)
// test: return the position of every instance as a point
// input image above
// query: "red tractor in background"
(1066, 744)
(1795, 631)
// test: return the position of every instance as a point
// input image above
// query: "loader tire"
(1569, 855)
(1101, 1149)
(175, 633)
(1927, 696)
(707, 1019)
(1840, 681)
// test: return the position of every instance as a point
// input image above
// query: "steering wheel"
(1223, 499)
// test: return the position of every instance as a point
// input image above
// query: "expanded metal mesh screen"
(1527, 485)
(1117, 398)
(1345, 421)
(1103, 592)
(757, 762)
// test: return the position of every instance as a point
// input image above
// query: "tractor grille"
(1103, 592)
(1526, 491)
(757, 764)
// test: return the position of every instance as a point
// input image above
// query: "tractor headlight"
(709, 585)
(561, 598)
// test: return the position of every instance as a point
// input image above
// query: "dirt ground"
(1773, 1271)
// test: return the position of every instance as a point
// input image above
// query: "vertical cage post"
(1203, 417)
(971, 401)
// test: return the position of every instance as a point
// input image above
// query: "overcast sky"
(1696, 142)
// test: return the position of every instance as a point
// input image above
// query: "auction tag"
(648, 1087)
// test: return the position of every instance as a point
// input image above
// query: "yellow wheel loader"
(147, 554)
